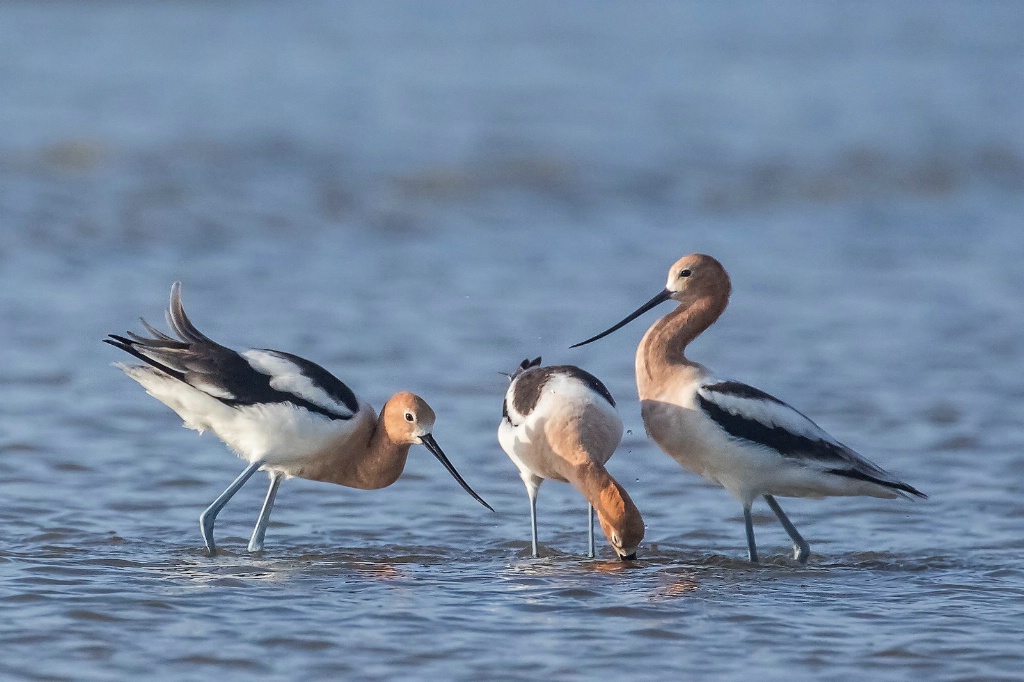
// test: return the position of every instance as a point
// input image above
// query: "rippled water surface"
(419, 196)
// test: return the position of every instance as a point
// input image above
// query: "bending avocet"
(279, 412)
(747, 441)
(560, 423)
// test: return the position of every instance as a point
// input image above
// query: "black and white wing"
(751, 415)
(237, 379)
(530, 379)
(523, 366)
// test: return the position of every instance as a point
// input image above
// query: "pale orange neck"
(369, 460)
(609, 499)
(385, 458)
(664, 344)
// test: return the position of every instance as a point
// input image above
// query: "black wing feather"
(778, 438)
(532, 378)
(791, 445)
(221, 372)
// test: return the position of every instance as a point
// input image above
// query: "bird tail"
(159, 350)
(523, 366)
(902, 489)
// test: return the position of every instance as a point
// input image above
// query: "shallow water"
(418, 198)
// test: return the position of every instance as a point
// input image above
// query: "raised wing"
(304, 381)
(255, 377)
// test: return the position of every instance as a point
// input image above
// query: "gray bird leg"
(258, 533)
(209, 517)
(590, 529)
(533, 518)
(532, 484)
(801, 550)
(749, 523)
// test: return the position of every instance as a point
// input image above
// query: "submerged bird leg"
(258, 533)
(533, 520)
(532, 483)
(801, 550)
(209, 517)
(590, 529)
(749, 523)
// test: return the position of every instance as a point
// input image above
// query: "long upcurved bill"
(435, 450)
(662, 296)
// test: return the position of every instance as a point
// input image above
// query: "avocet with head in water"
(281, 413)
(751, 443)
(560, 423)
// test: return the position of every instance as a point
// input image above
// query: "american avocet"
(749, 442)
(560, 423)
(279, 412)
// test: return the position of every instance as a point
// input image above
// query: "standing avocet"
(747, 441)
(279, 412)
(560, 423)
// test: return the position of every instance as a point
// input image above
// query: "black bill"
(660, 298)
(435, 450)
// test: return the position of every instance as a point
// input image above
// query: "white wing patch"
(212, 389)
(287, 377)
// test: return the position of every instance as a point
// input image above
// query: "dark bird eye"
(685, 273)
(408, 416)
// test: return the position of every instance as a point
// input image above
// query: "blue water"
(418, 197)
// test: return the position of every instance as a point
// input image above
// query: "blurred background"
(418, 196)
